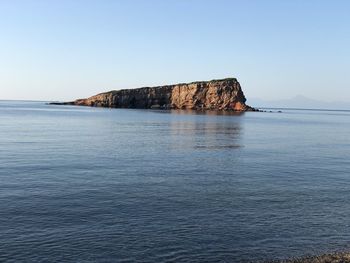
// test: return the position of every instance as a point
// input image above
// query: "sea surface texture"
(81, 184)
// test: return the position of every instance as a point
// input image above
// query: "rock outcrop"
(223, 94)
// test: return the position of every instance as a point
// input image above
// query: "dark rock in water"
(224, 94)
(56, 103)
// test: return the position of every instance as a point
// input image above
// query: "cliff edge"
(223, 94)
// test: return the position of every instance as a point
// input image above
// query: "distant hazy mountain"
(299, 102)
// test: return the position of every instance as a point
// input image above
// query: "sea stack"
(222, 94)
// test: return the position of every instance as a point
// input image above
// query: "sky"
(277, 49)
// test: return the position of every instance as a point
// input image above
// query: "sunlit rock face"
(224, 94)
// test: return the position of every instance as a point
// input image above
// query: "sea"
(82, 184)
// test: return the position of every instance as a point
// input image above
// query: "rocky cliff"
(223, 94)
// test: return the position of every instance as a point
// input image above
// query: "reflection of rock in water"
(207, 112)
(207, 133)
(224, 94)
(217, 147)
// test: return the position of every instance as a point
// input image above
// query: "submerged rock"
(223, 94)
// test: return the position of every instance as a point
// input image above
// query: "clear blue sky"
(62, 50)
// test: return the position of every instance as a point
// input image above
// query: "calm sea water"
(81, 184)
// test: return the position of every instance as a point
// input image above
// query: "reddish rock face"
(225, 94)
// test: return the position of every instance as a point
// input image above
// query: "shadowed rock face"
(225, 94)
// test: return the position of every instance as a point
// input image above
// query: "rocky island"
(223, 94)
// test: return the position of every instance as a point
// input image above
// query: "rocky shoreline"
(336, 257)
(223, 94)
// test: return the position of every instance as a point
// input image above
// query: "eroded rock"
(223, 94)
